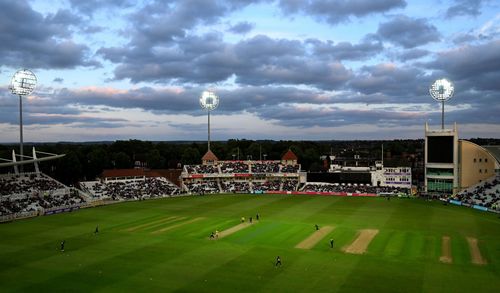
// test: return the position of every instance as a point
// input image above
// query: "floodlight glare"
(23, 82)
(209, 100)
(442, 90)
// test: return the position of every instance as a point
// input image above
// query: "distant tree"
(315, 167)
(253, 150)
(310, 157)
(122, 161)
(232, 154)
(69, 169)
(219, 149)
(155, 160)
(97, 160)
(190, 156)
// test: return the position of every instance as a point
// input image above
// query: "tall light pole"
(442, 90)
(209, 102)
(23, 83)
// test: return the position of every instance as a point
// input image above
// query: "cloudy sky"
(285, 69)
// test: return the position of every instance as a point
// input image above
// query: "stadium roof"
(209, 156)
(290, 156)
(494, 150)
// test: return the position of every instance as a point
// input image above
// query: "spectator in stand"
(290, 169)
(234, 167)
(265, 167)
(328, 187)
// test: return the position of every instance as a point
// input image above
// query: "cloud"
(464, 8)
(88, 7)
(337, 11)
(490, 30)
(259, 60)
(185, 101)
(367, 48)
(92, 29)
(307, 116)
(398, 84)
(408, 32)
(243, 27)
(160, 22)
(477, 65)
(29, 39)
(49, 110)
(412, 54)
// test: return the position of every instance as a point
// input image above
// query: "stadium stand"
(290, 185)
(352, 188)
(214, 176)
(290, 169)
(34, 194)
(137, 189)
(485, 194)
(233, 186)
(268, 185)
(234, 167)
(265, 167)
(202, 169)
(27, 183)
(203, 187)
(240, 177)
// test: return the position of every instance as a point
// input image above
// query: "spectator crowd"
(131, 189)
(352, 188)
(35, 193)
(486, 194)
(231, 167)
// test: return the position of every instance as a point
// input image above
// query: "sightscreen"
(440, 149)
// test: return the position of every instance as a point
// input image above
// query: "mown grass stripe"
(177, 225)
(167, 219)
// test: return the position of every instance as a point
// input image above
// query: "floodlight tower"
(23, 83)
(209, 102)
(442, 90)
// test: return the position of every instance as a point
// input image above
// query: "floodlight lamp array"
(209, 100)
(442, 90)
(23, 82)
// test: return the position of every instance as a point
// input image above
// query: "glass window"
(485, 160)
(474, 160)
(480, 160)
(480, 171)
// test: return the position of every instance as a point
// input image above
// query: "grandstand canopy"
(34, 159)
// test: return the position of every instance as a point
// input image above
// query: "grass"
(128, 255)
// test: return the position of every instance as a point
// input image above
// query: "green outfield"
(163, 245)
